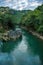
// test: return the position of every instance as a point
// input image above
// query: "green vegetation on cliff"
(31, 19)
(34, 19)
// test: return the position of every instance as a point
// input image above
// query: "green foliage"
(34, 19)
(28, 18)
(6, 19)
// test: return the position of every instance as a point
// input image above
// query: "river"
(25, 51)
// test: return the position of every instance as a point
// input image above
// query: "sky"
(21, 4)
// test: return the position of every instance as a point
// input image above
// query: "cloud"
(8, 1)
(21, 4)
(32, 5)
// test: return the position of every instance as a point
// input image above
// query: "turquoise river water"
(25, 51)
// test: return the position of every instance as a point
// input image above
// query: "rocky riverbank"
(36, 34)
(10, 35)
(33, 33)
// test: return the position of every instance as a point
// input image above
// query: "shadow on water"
(10, 45)
(36, 45)
(5, 53)
(25, 51)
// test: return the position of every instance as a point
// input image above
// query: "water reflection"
(10, 45)
(6, 48)
(6, 59)
(36, 46)
(25, 51)
(22, 46)
(24, 54)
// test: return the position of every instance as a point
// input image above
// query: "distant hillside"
(17, 15)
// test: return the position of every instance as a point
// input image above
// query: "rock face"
(14, 34)
(11, 35)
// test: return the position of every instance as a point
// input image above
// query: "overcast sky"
(21, 4)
